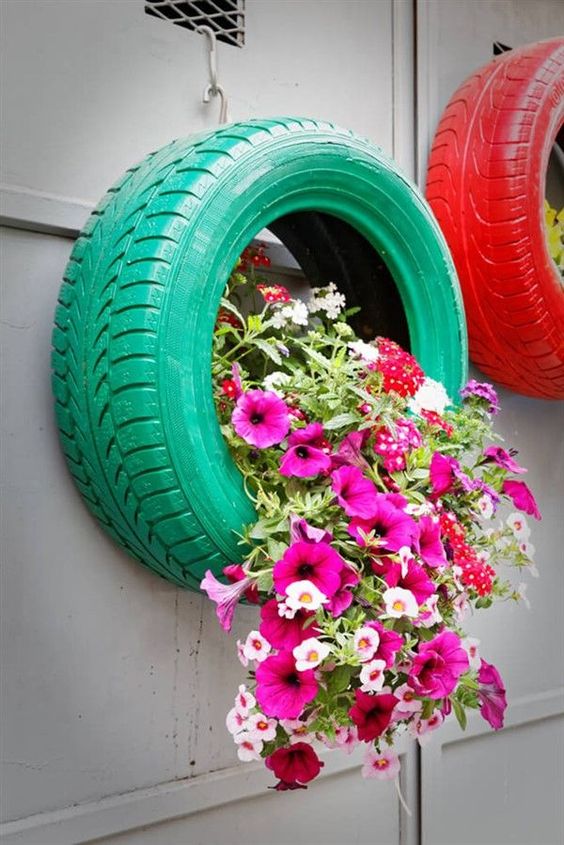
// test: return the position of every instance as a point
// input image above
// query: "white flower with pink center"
(297, 730)
(408, 703)
(429, 613)
(235, 721)
(256, 647)
(310, 653)
(366, 642)
(470, 646)
(461, 606)
(518, 524)
(486, 506)
(422, 728)
(346, 738)
(521, 594)
(249, 747)
(244, 701)
(286, 612)
(372, 676)
(363, 350)
(260, 726)
(382, 766)
(241, 654)
(527, 549)
(400, 602)
(304, 594)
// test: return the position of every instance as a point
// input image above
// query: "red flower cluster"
(437, 421)
(255, 256)
(225, 316)
(274, 293)
(394, 447)
(400, 370)
(475, 573)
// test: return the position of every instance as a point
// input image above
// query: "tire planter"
(486, 186)
(137, 308)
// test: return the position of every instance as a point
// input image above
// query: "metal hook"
(214, 89)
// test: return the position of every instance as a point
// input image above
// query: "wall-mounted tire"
(486, 185)
(134, 324)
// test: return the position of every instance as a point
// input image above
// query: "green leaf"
(270, 351)
(459, 712)
(254, 323)
(340, 421)
(339, 679)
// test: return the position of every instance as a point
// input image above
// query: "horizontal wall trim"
(51, 214)
(158, 804)
(179, 799)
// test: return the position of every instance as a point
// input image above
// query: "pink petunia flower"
(281, 632)
(415, 580)
(441, 472)
(302, 531)
(350, 451)
(491, 695)
(382, 766)
(521, 497)
(261, 418)
(315, 562)
(392, 526)
(307, 453)
(372, 714)
(226, 596)
(431, 548)
(355, 493)
(295, 765)
(342, 599)
(281, 690)
(390, 643)
(503, 459)
(235, 572)
(438, 665)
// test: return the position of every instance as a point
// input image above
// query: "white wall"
(116, 683)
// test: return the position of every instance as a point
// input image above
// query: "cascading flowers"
(375, 499)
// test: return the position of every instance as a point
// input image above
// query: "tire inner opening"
(330, 250)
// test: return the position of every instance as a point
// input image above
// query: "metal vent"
(225, 17)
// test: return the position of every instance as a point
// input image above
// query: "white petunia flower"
(400, 602)
(304, 594)
(518, 524)
(274, 380)
(470, 646)
(310, 653)
(366, 642)
(256, 647)
(249, 748)
(261, 727)
(372, 676)
(431, 396)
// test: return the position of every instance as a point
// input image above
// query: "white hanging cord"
(214, 89)
(403, 802)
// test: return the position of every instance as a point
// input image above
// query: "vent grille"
(225, 17)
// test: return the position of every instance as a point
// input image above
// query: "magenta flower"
(235, 572)
(350, 450)
(491, 695)
(261, 418)
(483, 390)
(226, 596)
(294, 766)
(355, 493)
(442, 473)
(342, 599)
(521, 497)
(315, 562)
(236, 378)
(503, 459)
(302, 531)
(438, 665)
(390, 643)
(284, 633)
(281, 690)
(306, 455)
(372, 714)
(392, 526)
(415, 580)
(431, 548)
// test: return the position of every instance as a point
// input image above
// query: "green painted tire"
(137, 308)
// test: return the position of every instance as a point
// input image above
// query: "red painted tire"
(486, 186)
